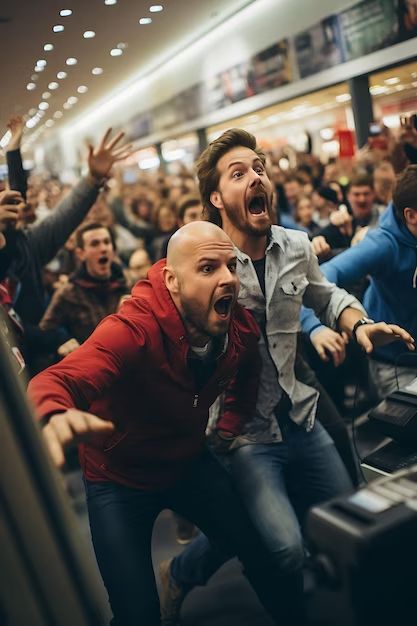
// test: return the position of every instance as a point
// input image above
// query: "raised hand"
(102, 158)
(16, 125)
(11, 204)
(73, 426)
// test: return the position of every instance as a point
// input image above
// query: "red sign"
(346, 143)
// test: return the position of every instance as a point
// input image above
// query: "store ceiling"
(26, 26)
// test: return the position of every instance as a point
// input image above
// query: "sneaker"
(171, 597)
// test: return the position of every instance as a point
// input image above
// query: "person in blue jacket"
(388, 256)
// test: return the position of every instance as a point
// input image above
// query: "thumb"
(365, 343)
(98, 425)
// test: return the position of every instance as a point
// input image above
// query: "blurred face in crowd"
(293, 190)
(304, 211)
(97, 252)
(167, 219)
(201, 277)
(193, 213)
(139, 264)
(244, 194)
(361, 199)
(337, 188)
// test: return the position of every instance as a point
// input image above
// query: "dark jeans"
(122, 519)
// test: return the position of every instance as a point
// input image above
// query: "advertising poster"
(407, 19)
(269, 69)
(319, 47)
(368, 26)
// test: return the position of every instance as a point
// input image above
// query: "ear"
(80, 254)
(410, 215)
(216, 200)
(171, 280)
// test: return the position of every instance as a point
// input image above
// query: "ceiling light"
(392, 81)
(72, 100)
(43, 106)
(376, 90)
(41, 113)
(65, 12)
(58, 28)
(49, 123)
(109, 2)
(41, 62)
(34, 77)
(46, 95)
(48, 47)
(71, 61)
(58, 115)
(327, 134)
(30, 86)
(399, 87)
(122, 45)
(116, 52)
(89, 34)
(82, 89)
(53, 85)
(31, 112)
(343, 97)
(97, 71)
(156, 8)
(61, 75)
(145, 20)
(67, 105)
(39, 68)
(414, 84)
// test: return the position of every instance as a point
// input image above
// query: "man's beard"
(240, 223)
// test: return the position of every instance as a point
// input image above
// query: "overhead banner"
(319, 47)
(367, 27)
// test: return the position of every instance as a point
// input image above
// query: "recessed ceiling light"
(97, 71)
(53, 85)
(343, 97)
(46, 95)
(43, 106)
(31, 112)
(41, 63)
(122, 45)
(71, 61)
(34, 77)
(72, 100)
(109, 2)
(89, 34)
(40, 113)
(58, 115)
(82, 89)
(61, 75)
(392, 81)
(67, 105)
(48, 47)
(156, 8)
(58, 28)
(65, 12)
(145, 20)
(39, 68)
(30, 86)
(116, 52)
(49, 123)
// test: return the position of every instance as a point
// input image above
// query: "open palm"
(108, 152)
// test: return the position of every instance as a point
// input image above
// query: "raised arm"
(17, 175)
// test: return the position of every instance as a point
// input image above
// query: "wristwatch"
(361, 322)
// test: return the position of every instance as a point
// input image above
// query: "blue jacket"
(388, 254)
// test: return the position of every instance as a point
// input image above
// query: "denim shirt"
(292, 278)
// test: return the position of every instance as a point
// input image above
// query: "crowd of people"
(259, 293)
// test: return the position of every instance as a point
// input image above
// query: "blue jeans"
(122, 519)
(278, 483)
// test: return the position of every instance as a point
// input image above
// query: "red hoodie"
(133, 370)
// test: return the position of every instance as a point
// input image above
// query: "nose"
(227, 277)
(255, 178)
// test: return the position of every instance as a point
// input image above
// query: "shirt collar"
(275, 237)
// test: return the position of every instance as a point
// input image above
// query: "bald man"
(135, 397)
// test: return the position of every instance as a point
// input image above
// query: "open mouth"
(223, 306)
(103, 260)
(257, 205)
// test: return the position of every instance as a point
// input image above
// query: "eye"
(232, 267)
(237, 174)
(206, 269)
(259, 169)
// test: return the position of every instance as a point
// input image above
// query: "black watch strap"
(362, 322)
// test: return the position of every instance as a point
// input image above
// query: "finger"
(365, 343)
(124, 156)
(54, 446)
(115, 140)
(127, 148)
(9, 195)
(61, 427)
(105, 138)
(400, 332)
(322, 353)
(97, 425)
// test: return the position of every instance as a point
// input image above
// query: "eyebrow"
(214, 259)
(257, 160)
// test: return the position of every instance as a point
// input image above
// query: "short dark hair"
(361, 180)
(405, 193)
(186, 202)
(79, 235)
(207, 172)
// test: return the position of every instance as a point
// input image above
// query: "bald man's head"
(200, 275)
